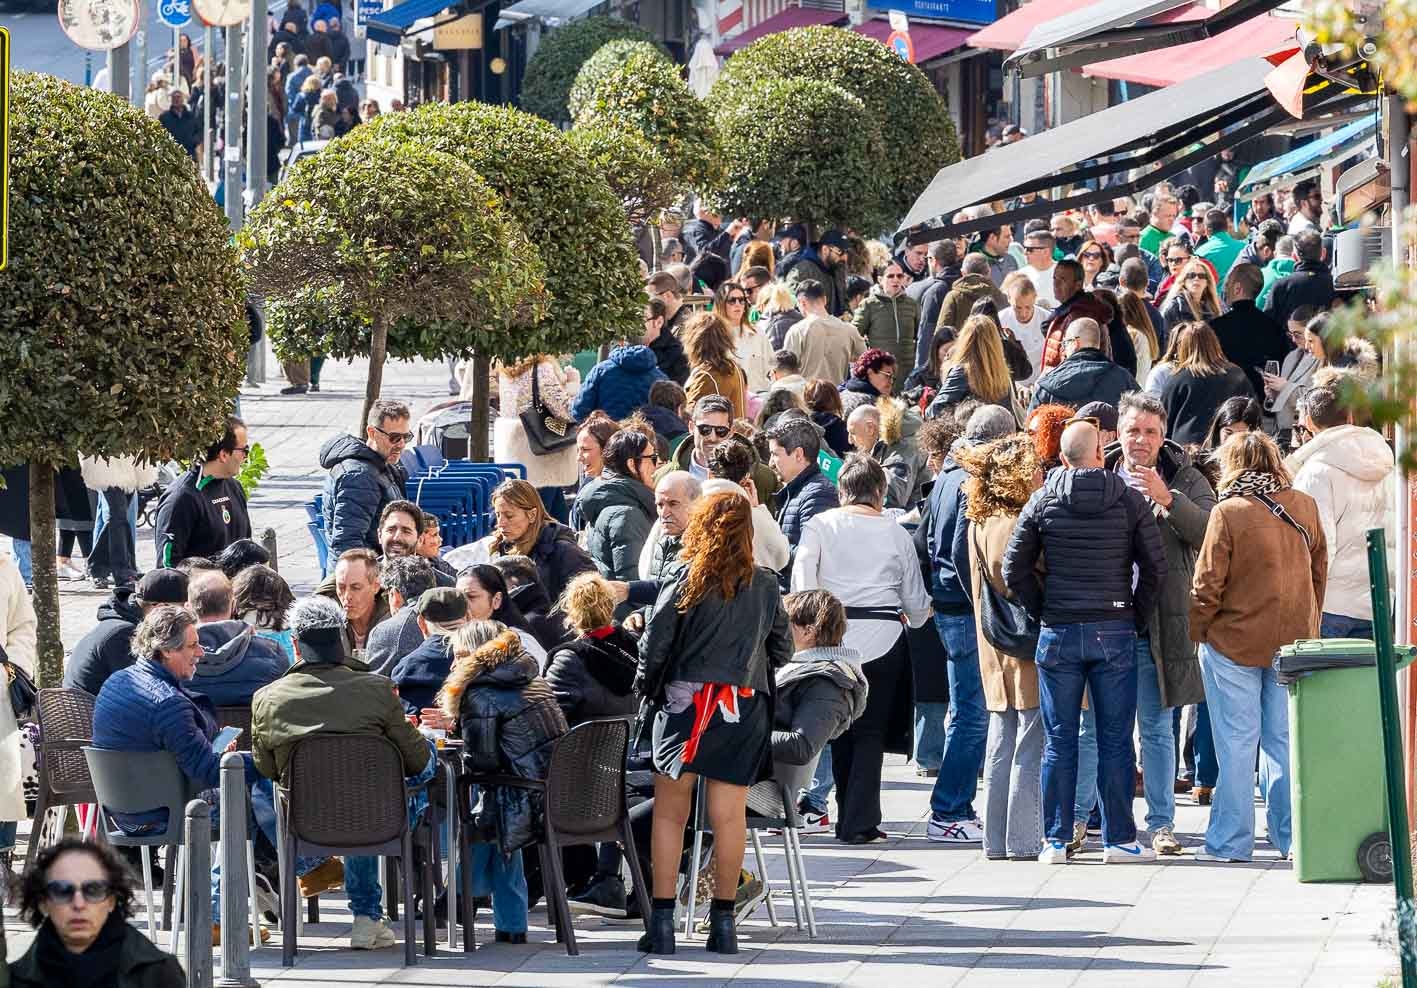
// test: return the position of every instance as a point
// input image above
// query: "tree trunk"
(378, 348)
(658, 246)
(481, 402)
(49, 662)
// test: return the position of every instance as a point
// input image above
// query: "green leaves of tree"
(546, 86)
(635, 170)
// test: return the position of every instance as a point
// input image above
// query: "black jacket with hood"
(1092, 528)
(619, 512)
(359, 484)
(594, 675)
(820, 692)
(548, 626)
(107, 647)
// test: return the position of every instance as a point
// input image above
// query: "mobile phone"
(1271, 367)
(224, 737)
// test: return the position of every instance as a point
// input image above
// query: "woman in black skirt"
(717, 632)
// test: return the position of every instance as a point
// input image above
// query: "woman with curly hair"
(1002, 477)
(872, 375)
(78, 896)
(1046, 424)
(713, 364)
(717, 633)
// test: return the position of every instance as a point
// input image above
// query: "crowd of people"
(978, 502)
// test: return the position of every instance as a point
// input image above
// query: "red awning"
(1008, 32)
(930, 40)
(1266, 36)
(789, 18)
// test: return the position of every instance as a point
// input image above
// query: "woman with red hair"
(872, 375)
(717, 632)
(1046, 424)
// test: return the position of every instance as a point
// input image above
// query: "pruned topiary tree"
(607, 57)
(390, 231)
(646, 93)
(546, 85)
(915, 125)
(567, 211)
(633, 168)
(776, 162)
(122, 318)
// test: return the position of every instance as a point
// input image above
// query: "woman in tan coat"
(713, 366)
(1258, 585)
(1003, 475)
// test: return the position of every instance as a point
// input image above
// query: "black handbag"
(22, 689)
(545, 432)
(1003, 622)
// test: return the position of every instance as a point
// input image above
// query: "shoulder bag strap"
(1278, 510)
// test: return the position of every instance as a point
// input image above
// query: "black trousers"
(857, 754)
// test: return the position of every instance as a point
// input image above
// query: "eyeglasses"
(1091, 255)
(652, 457)
(93, 892)
(394, 437)
(721, 431)
(243, 450)
(1033, 249)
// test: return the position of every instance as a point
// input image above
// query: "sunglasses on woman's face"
(1177, 259)
(736, 300)
(61, 892)
(1091, 255)
(1195, 276)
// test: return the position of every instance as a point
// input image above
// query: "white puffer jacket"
(122, 471)
(1349, 471)
(17, 634)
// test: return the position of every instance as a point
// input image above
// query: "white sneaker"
(1206, 856)
(68, 573)
(1132, 853)
(954, 831)
(1053, 853)
(371, 934)
(816, 823)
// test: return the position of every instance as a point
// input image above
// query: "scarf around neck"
(1252, 482)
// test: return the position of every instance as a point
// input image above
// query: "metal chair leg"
(146, 854)
(791, 877)
(763, 871)
(802, 877)
(410, 951)
(41, 807)
(251, 888)
(700, 796)
(469, 939)
(289, 906)
(177, 910)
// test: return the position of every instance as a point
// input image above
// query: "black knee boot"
(659, 930)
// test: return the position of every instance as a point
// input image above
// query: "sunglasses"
(394, 437)
(93, 892)
(721, 431)
(1196, 276)
(1173, 261)
(736, 300)
(1032, 250)
(1091, 255)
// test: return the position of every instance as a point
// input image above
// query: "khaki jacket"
(1010, 683)
(1257, 586)
(734, 387)
(826, 346)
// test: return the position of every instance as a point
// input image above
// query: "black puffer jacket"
(736, 642)
(508, 719)
(1092, 528)
(778, 325)
(359, 484)
(1088, 375)
(108, 645)
(558, 557)
(619, 512)
(819, 693)
(548, 627)
(594, 675)
(809, 494)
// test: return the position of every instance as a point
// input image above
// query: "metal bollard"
(235, 893)
(197, 909)
(268, 539)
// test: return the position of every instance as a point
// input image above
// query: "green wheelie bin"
(1336, 759)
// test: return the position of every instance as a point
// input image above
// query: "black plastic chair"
(585, 804)
(239, 716)
(65, 719)
(345, 794)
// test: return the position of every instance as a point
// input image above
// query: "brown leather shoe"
(329, 875)
(216, 934)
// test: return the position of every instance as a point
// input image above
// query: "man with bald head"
(1105, 563)
(674, 498)
(1086, 374)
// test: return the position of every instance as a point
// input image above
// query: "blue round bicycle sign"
(175, 13)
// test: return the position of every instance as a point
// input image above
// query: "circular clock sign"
(99, 25)
(222, 13)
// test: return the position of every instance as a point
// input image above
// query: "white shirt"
(1298, 223)
(1043, 284)
(1030, 334)
(867, 561)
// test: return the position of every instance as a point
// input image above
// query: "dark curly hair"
(872, 360)
(32, 892)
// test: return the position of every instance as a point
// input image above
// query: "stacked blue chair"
(459, 493)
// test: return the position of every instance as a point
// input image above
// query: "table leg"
(451, 774)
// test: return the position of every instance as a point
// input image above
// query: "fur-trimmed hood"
(1358, 357)
(121, 471)
(898, 421)
(504, 661)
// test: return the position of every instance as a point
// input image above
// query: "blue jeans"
(1086, 795)
(1204, 746)
(361, 875)
(24, 559)
(816, 795)
(1101, 656)
(1158, 743)
(504, 879)
(1342, 626)
(1251, 710)
(930, 734)
(968, 727)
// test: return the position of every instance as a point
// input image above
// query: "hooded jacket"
(419, 675)
(807, 263)
(1087, 375)
(509, 720)
(235, 663)
(905, 467)
(669, 356)
(1277, 268)
(820, 693)
(778, 325)
(360, 482)
(199, 516)
(618, 384)
(946, 540)
(618, 512)
(889, 323)
(1348, 471)
(954, 310)
(1092, 528)
(108, 645)
(548, 626)
(594, 675)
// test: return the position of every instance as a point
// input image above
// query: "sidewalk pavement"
(900, 912)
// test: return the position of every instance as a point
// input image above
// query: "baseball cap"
(162, 586)
(1104, 412)
(833, 238)
(794, 230)
(441, 605)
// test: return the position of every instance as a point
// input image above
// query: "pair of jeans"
(1251, 712)
(504, 879)
(1013, 813)
(930, 734)
(115, 547)
(1085, 796)
(1342, 626)
(815, 796)
(24, 559)
(1207, 770)
(1101, 656)
(1158, 743)
(968, 728)
(857, 755)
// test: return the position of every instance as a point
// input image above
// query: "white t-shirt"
(1030, 334)
(1298, 223)
(1042, 284)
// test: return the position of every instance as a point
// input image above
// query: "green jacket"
(1221, 250)
(140, 965)
(320, 698)
(1279, 267)
(890, 323)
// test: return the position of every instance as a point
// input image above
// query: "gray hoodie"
(820, 692)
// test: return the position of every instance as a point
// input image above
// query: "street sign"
(900, 43)
(99, 25)
(365, 10)
(175, 13)
(4, 148)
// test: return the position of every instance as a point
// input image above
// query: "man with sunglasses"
(364, 477)
(713, 423)
(205, 510)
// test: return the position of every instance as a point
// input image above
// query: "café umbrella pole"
(1392, 755)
